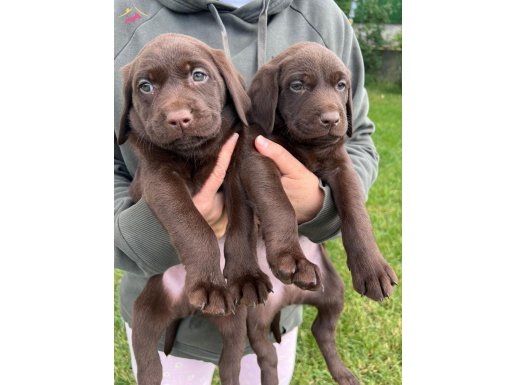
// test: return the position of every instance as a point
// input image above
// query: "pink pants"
(182, 371)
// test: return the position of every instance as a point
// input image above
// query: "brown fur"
(311, 123)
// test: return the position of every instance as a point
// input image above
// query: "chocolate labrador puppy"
(302, 99)
(183, 100)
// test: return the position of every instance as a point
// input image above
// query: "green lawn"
(369, 333)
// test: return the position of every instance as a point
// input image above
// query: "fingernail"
(262, 141)
(234, 137)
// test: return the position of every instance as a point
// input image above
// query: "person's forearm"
(141, 238)
(141, 244)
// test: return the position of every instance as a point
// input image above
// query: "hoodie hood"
(249, 12)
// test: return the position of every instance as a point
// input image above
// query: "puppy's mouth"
(188, 143)
(182, 140)
(314, 132)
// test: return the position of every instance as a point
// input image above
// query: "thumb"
(215, 180)
(286, 162)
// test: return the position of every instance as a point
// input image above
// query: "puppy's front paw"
(296, 269)
(251, 288)
(373, 277)
(213, 298)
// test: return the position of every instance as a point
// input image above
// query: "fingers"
(286, 162)
(300, 184)
(215, 180)
(220, 225)
(208, 201)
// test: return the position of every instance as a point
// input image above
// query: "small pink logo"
(132, 19)
(133, 14)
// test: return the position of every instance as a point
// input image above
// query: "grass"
(369, 334)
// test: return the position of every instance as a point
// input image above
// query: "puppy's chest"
(192, 173)
(317, 161)
(315, 158)
(196, 177)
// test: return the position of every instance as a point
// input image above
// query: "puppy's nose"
(178, 118)
(330, 118)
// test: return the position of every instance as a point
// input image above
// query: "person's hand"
(208, 201)
(300, 184)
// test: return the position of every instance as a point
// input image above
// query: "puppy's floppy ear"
(234, 83)
(264, 94)
(124, 129)
(348, 108)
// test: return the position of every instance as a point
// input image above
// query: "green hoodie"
(261, 28)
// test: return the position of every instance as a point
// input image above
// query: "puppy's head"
(175, 91)
(306, 90)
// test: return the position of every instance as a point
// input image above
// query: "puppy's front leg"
(248, 284)
(262, 183)
(169, 199)
(371, 274)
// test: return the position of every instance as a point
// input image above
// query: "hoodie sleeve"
(360, 146)
(141, 244)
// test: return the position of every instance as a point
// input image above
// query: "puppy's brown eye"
(198, 76)
(341, 85)
(145, 86)
(296, 86)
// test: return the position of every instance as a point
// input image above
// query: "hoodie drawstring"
(262, 26)
(261, 36)
(225, 39)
